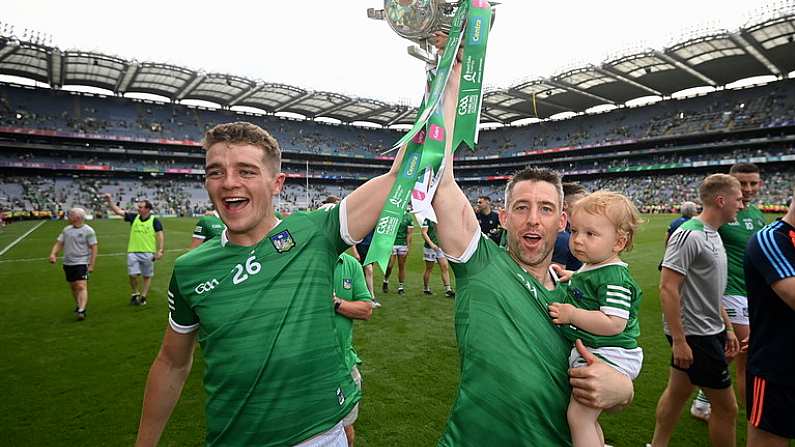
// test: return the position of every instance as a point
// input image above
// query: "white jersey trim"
(180, 329)
(199, 236)
(589, 267)
(612, 311)
(469, 251)
(345, 235)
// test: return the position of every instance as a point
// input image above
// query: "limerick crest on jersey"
(283, 241)
(347, 283)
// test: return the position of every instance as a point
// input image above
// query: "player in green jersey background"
(602, 303)
(432, 254)
(352, 301)
(209, 226)
(257, 301)
(400, 252)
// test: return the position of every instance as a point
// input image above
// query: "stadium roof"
(712, 59)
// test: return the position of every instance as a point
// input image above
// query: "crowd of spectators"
(170, 197)
(771, 105)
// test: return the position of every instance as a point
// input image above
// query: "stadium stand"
(60, 148)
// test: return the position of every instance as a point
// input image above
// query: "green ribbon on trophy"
(426, 139)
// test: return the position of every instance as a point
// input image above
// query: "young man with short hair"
(735, 236)
(696, 325)
(257, 301)
(79, 244)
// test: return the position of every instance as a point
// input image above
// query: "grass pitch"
(81, 383)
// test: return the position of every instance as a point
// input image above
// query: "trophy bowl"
(416, 19)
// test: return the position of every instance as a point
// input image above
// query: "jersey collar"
(588, 268)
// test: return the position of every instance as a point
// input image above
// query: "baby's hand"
(561, 313)
(563, 274)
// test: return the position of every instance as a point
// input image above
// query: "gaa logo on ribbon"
(386, 225)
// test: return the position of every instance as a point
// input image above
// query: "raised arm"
(366, 202)
(457, 224)
(112, 206)
(164, 385)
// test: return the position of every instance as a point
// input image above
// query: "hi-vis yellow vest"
(142, 236)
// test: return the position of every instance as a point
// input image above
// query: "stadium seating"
(151, 149)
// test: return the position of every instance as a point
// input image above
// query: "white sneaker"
(375, 303)
(700, 411)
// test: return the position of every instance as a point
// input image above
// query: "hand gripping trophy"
(418, 20)
(466, 24)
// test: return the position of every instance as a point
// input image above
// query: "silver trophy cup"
(417, 20)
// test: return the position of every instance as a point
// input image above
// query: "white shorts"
(141, 264)
(354, 414)
(332, 438)
(432, 255)
(400, 250)
(737, 308)
(625, 361)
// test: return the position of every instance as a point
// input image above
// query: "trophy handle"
(421, 54)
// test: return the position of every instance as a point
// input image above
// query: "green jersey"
(431, 226)
(208, 227)
(735, 236)
(514, 384)
(349, 285)
(274, 371)
(406, 225)
(610, 289)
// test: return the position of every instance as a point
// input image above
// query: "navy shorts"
(709, 368)
(362, 249)
(770, 406)
(76, 272)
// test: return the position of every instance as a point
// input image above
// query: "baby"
(602, 303)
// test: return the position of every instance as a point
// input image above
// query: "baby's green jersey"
(275, 374)
(735, 236)
(610, 289)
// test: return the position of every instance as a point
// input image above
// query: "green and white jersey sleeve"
(610, 289)
(181, 317)
(208, 227)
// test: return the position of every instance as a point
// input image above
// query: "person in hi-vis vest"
(146, 246)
